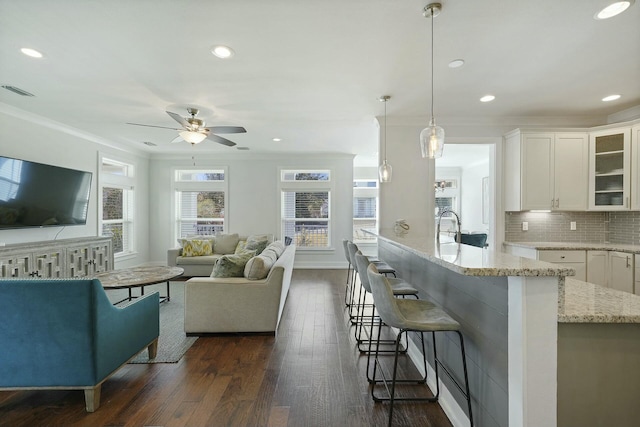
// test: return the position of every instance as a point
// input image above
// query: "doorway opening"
(465, 183)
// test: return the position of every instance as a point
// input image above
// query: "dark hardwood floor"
(311, 374)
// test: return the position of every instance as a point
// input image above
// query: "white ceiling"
(310, 72)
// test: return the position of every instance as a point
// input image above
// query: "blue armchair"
(65, 334)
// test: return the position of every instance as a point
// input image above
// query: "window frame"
(310, 186)
(126, 182)
(179, 186)
(366, 193)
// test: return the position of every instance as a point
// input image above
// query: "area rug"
(173, 342)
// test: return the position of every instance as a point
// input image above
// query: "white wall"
(253, 198)
(471, 194)
(41, 142)
(410, 194)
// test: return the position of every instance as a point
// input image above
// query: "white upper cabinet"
(610, 169)
(546, 171)
(635, 169)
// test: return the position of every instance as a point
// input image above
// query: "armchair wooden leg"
(153, 349)
(92, 398)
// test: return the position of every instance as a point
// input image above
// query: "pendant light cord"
(385, 130)
(432, 94)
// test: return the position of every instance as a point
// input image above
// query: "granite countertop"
(589, 303)
(634, 249)
(472, 261)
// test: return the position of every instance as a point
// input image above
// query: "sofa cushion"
(226, 243)
(232, 265)
(240, 247)
(196, 247)
(257, 243)
(197, 260)
(258, 267)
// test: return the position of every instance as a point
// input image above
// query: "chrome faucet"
(458, 233)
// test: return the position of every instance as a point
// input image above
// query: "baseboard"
(450, 406)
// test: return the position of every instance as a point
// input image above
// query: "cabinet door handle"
(628, 264)
(627, 202)
(553, 205)
(557, 202)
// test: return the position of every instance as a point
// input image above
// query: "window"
(306, 207)
(200, 202)
(447, 196)
(117, 213)
(365, 209)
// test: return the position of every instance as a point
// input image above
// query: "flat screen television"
(38, 195)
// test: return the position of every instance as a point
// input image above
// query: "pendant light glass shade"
(432, 141)
(384, 171)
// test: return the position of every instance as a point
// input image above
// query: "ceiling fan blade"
(227, 129)
(153, 126)
(177, 139)
(178, 118)
(220, 140)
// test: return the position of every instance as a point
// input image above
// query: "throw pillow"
(257, 243)
(231, 265)
(241, 246)
(258, 267)
(196, 247)
(278, 247)
(226, 243)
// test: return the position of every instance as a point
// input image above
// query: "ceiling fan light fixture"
(192, 137)
(222, 51)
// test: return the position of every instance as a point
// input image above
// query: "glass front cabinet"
(610, 169)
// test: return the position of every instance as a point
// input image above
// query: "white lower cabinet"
(574, 259)
(621, 271)
(597, 267)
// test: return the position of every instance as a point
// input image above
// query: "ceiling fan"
(194, 131)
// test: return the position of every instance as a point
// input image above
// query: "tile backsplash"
(624, 227)
(596, 227)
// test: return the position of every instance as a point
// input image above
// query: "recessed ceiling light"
(456, 63)
(277, 139)
(613, 9)
(31, 52)
(611, 98)
(487, 98)
(223, 52)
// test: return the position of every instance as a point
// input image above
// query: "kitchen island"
(543, 348)
(508, 309)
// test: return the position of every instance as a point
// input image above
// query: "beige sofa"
(197, 266)
(237, 304)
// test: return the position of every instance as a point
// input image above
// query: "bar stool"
(350, 270)
(400, 288)
(382, 267)
(417, 316)
(345, 242)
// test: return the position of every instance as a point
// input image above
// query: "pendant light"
(385, 169)
(432, 137)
